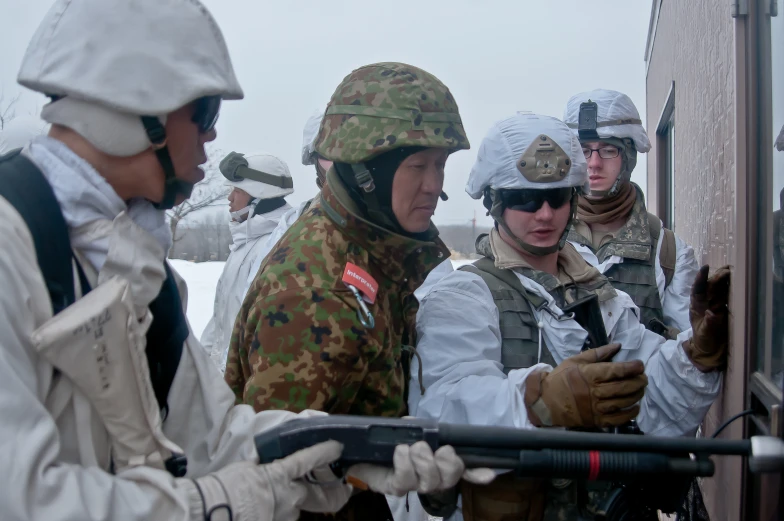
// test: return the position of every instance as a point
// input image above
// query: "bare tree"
(7, 108)
(206, 193)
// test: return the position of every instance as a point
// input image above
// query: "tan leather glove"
(586, 391)
(709, 315)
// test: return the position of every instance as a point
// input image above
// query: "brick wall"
(694, 47)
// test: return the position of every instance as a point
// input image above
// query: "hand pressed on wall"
(709, 315)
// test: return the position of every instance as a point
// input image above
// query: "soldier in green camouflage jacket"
(329, 321)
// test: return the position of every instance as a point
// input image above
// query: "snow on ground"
(202, 277)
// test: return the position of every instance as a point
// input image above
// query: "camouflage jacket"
(636, 242)
(298, 342)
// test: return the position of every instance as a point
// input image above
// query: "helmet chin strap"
(497, 212)
(172, 186)
(239, 214)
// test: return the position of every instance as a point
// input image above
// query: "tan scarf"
(603, 211)
(572, 268)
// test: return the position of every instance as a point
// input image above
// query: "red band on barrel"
(593, 469)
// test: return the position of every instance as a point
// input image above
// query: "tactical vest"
(508, 497)
(637, 277)
(519, 329)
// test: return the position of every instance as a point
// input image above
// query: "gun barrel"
(510, 438)
(584, 464)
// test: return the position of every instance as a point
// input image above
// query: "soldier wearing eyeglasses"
(613, 230)
(532, 336)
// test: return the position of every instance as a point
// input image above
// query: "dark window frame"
(665, 160)
(763, 395)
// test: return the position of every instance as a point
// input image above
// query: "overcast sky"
(496, 57)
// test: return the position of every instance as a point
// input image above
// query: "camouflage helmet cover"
(384, 106)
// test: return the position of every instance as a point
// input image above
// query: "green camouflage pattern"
(636, 275)
(384, 106)
(632, 241)
(298, 343)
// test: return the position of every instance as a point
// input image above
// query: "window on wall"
(766, 171)
(665, 164)
(775, 165)
(770, 194)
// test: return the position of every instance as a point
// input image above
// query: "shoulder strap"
(24, 186)
(667, 256)
(28, 191)
(654, 225)
(487, 266)
(165, 339)
(667, 251)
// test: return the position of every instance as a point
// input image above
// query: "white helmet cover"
(613, 106)
(116, 69)
(496, 164)
(19, 132)
(145, 57)
(270, 165)
(110, 62)
(309, 135)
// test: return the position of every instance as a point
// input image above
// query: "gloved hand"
(586, 391)
(418, 469)
(247, 491)
(709, 315)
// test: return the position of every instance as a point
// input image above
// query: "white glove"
(273, 492)
(416, 468)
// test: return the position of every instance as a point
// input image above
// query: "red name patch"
(361, 280)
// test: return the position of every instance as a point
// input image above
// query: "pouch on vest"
(521, 343)
(99, 344)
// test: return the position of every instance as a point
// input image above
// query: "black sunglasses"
(531, 200)
(205, 113)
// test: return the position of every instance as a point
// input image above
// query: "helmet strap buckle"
(363, 177)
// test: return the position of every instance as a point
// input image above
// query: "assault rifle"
(535, 453)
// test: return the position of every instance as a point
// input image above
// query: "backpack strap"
(24, 186)
(654, 226)
(165, 339)
(667, 254)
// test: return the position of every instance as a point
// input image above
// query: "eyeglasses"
(205, 113)
(531, 200)
(608, 152)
